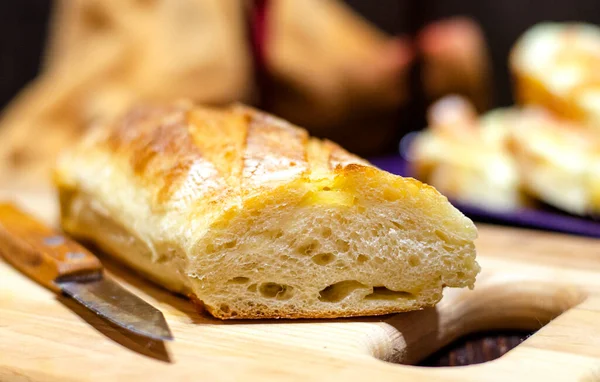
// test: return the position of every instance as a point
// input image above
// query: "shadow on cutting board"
(140, 344)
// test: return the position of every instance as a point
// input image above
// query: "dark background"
(23, 25)
(502, 21)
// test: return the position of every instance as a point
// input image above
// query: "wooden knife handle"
(40, 252)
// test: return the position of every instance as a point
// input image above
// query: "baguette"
(252, 218)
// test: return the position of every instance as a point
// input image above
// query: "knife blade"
(64, 266)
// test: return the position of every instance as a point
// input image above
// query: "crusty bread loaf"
(555, 65)
(252, 217)
(466, 156)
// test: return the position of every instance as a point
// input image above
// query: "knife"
(64, 266)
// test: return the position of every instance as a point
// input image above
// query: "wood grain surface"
(530, 280)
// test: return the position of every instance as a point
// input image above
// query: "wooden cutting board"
(529, 279)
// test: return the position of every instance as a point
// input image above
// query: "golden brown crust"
(158, 146)
(275, 150)
(233, 149)
(271, 313)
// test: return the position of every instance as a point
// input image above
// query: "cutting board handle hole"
(495, 307)
(477, 348)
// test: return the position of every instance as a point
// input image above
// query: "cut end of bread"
(362, 243)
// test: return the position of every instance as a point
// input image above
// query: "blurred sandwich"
(466, 157)
(508, 157)
(559, 161)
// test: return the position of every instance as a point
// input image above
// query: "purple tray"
(543, 219)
